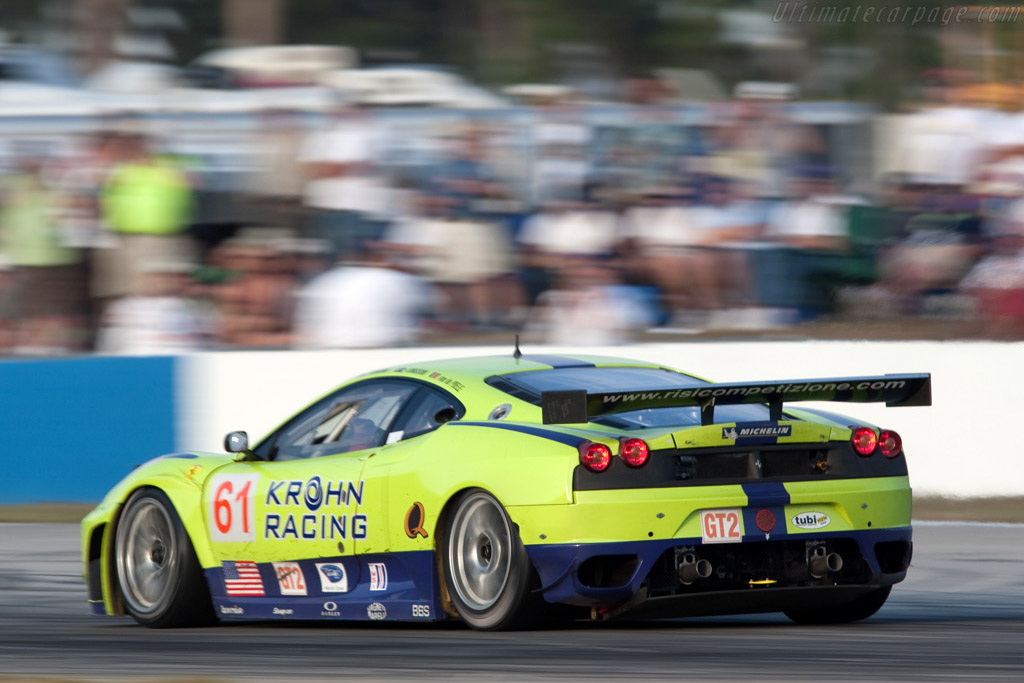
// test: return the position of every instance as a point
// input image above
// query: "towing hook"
(821, 563)
(691, 569)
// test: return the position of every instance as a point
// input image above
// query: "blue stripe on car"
(560, 437)
(766, 494)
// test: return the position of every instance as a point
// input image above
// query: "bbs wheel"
(855, 610)
(488, 574)
(157, 570)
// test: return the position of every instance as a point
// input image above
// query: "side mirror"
(444, 415)
(236, 442)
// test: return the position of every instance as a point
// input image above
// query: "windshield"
(529, 386)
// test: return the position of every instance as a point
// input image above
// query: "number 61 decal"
(230, 515)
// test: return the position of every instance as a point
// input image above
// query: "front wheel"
(157, 569)
(488, 574)
(855, 610)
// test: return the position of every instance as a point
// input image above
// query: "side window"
(432, 409)
(352, 419)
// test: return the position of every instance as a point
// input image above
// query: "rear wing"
(578, 406)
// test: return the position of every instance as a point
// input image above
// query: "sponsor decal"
(811, 520)
(739, 432)
(282, 612)
(454, 384)
(333, 578)
(414, 521)
(793, 392)
(233, 609)
(231, 517)
(378, 576)
(330, 610)
(377, 611)
(313, 495)
(421, 611)
(192, 471)
(243, 579)
(721, 526)
(290, 578)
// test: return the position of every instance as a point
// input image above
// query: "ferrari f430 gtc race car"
(503, 490)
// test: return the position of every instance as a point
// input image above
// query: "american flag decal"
(243, 579)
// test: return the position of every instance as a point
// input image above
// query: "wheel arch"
(192, 523)
(441, 540)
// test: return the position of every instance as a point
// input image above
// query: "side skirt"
(377, 587)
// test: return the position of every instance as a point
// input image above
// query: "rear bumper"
(753, 576)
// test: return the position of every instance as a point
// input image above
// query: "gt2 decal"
(231, 514)
(414, 521)
(289, 578)
(721, 526)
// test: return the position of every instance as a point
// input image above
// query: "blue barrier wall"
(72, 428)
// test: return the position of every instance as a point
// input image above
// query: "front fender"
(181, 477)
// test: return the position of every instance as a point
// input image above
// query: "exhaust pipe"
(691, 569)
(821, 563)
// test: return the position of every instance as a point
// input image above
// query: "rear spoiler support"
(578, 406)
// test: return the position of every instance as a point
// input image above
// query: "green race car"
(503, 491)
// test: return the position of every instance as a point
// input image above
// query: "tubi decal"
(811, 520)
(333, 578)
(377, 611)
(290, 578)
(414, 521)
(378, 576)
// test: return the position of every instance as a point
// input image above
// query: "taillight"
(595, 456)
(864, 440)
(890, 443)
(634, 452)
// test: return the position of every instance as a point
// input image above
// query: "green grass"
(1004, 509)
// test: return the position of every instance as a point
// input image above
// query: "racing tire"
(488, 575)
(855, 610)
(160, 578)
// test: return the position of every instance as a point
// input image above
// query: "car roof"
(472, 370)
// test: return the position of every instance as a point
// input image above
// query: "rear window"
(528, 386)
(595, 380)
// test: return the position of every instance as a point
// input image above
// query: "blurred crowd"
(345, 229)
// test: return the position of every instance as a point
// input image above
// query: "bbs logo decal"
(811, 520)
(378, 576)
(377, 611)
(421, 611)
(333, 578)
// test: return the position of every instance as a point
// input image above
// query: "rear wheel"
(855, 610)
(157, 569)
(488, 574)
